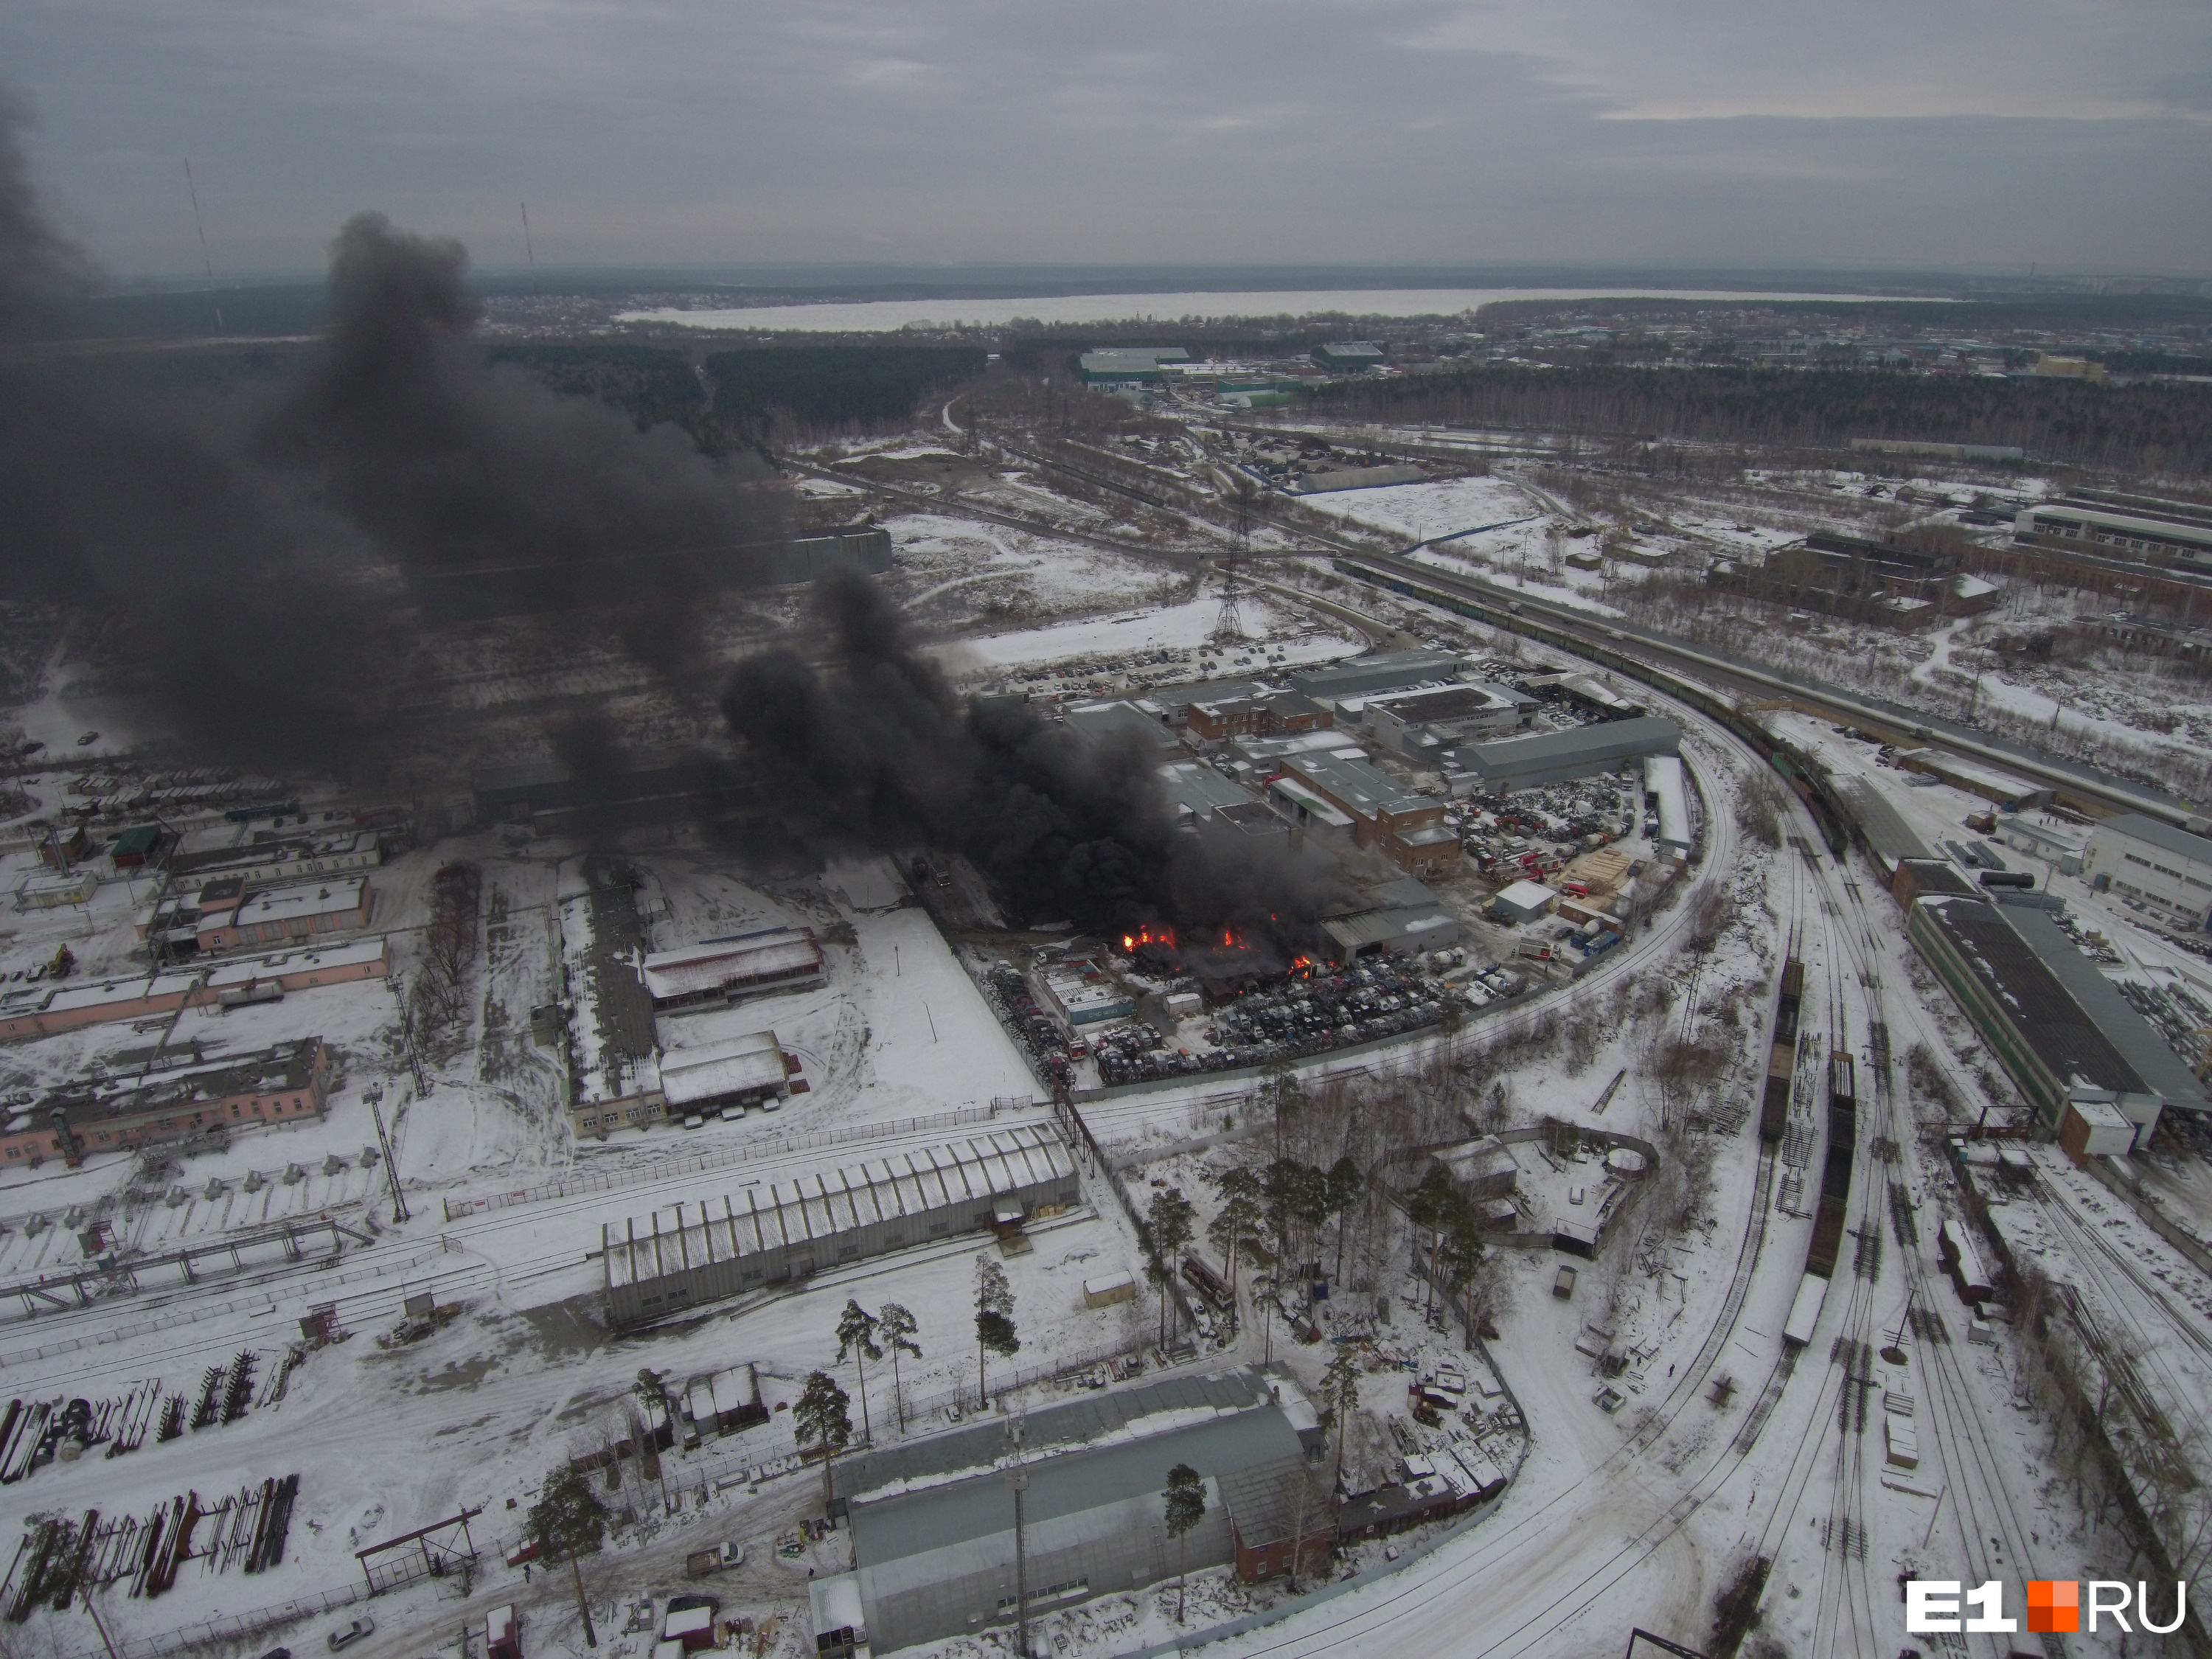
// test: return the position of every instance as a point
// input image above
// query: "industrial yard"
(1486, 1028)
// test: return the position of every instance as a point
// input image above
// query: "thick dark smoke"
(266, 550)
(265, 544)
(875, 749)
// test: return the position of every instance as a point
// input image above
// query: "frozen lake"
(888, 316)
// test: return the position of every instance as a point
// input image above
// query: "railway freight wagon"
(1782, 1059)
(1836, 1171)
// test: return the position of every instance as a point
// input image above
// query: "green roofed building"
(1119, 366)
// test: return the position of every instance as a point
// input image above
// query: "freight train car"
(1782, 1059)
(1836, 1171)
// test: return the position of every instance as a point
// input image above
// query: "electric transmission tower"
(1229, 626)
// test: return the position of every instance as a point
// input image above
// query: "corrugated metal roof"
(697, 967)
(1111, 1414)
(2039, 1006)
(1086, 1480)
(1879, 825)
(2123, 1027)
(1608, 740)
(820, 1205)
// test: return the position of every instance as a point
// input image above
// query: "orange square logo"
(2054, 1604)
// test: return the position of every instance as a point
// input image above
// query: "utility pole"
(1017, 1478)
(584, 1607)
(100, 1624)
(399, 1213)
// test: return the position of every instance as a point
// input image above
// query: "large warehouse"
(1500, 767)
(933, 1523)
(2049, 1017)
(682, 1257)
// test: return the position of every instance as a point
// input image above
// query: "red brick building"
(280, 1085)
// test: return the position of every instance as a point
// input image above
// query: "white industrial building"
(2168, 870)
(2121, 526)
(1669, 791)
(741, 1070)
(723, 972)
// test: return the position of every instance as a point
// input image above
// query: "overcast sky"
(1915, 133)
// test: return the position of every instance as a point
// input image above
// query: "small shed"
(2096, 1128)
(1107, 1288)
(1524, 901)
(137, 846)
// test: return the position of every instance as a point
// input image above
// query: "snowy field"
(1421, 511)
(1130, 632)
(953, 568)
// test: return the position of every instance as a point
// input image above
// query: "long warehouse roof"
(756, 1219)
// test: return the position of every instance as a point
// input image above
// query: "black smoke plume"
(269, 550)
(266, 542)
(873, 748)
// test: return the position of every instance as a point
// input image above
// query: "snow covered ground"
(1420, 512)
(1130, 632)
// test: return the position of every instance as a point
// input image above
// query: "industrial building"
(1998, 788)
(1309, 811)
(1581, 751)
(1263, 712)
(1350, 356)
(864, 547)
(1401, 915)
(1356, 478)
(1522, 902)
(1127, 366)
(1422, 723)
(2168, 870)
(187, 1097)
(720, 973)
(1406, 827)
(278, 915)
(2060, 1030)
(1077, 994)
(1369, 676)
(685, 1256)
(933, 1523)
(741, 1072)
(1882, 830)
(2111, 524)
(266, 857)
(46, 1009)
(2060, 844)
(1097, 723)
(1667, 787)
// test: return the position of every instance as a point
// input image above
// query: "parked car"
(359, 1631)
(277, 1653)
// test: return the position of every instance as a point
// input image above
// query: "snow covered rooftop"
(738, 1066)
(722, 966)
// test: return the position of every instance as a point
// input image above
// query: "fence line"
(805, 1141)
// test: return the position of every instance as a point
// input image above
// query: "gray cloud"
(1882, 131)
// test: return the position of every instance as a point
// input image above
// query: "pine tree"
(856, 1335)
(822, 1420)
(994, 1320)
(1185, 1509)
(898, 1328)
